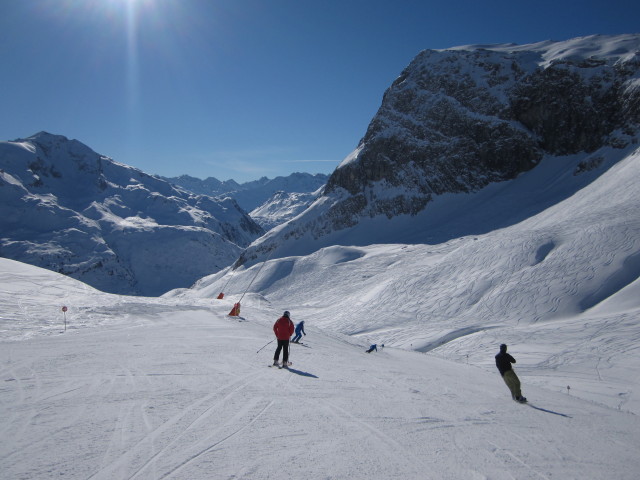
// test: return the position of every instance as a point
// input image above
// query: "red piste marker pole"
(64, 312)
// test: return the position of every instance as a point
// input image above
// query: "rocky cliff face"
(457, 120)
(460, 119)
(66, 208)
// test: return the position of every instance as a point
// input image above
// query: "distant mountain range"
(69, 209)
(66, 208)
(251, 195)
(269, 202)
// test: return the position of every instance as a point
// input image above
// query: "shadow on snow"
(549, 411)
(302, 374)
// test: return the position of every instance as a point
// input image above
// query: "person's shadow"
(302, 374)
(549, 411)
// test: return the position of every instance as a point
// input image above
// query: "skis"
(288, 364)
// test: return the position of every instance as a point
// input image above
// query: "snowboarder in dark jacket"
(503, 362)
(372, 348)
(299, 332)
(283, 328)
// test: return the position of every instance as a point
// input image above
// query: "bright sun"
(137, 4)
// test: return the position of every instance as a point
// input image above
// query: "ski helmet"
(286, 313)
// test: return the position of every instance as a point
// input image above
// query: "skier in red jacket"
(283, 328)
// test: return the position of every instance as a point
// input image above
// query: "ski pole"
(265, 346)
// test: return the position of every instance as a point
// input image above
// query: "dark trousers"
(284, 346)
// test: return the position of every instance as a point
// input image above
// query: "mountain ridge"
(253, 194)
(459, 120)
(74, 211)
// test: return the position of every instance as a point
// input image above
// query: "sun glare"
(119, 5)
(128, 2)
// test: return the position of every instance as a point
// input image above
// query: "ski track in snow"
(182, 393)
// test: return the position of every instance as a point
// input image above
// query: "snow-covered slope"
(562, 284)
(465, 119)
(282, 207)
(69, 209)
(142, 388)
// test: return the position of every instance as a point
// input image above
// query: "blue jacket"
(300, 328)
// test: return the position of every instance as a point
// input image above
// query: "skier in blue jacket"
(299, 332)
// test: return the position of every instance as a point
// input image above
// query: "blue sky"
(242, 88)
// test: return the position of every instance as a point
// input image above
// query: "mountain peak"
(66, 208)
(608, 48)
(46, 136)
(458, 120)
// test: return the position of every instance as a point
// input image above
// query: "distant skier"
(372, 348)
(283, 328)
(299, 332)
(503, 362)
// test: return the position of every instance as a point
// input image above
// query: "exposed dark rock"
(456, 120)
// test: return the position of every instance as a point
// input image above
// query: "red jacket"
(283, 328)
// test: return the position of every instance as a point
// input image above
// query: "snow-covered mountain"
(463, 120)
(282, 207)
(252, 195)
(66, 208)
(563, 285)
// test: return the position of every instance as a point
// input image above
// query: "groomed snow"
(173, 387)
